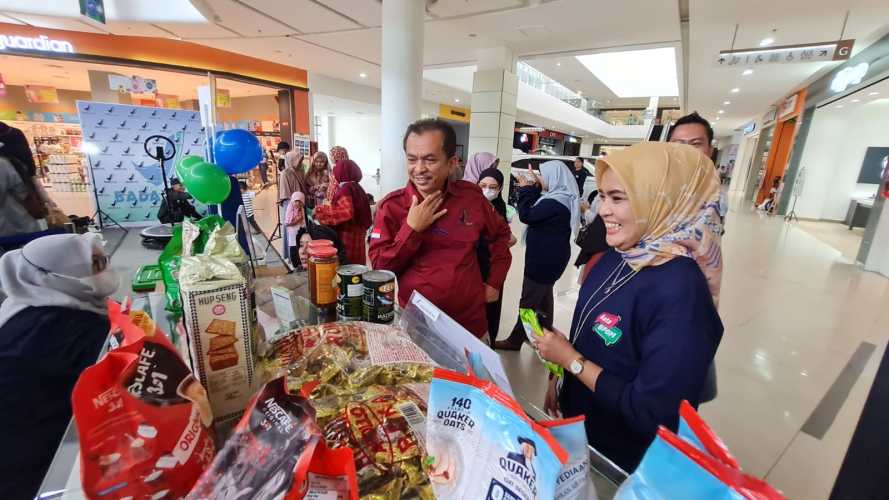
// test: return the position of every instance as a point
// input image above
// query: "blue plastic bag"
(674, 467)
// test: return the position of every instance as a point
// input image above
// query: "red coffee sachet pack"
(143, 420)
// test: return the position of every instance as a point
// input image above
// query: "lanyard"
(617, 281)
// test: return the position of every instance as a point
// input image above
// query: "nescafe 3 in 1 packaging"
(143, 419)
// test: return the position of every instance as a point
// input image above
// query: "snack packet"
(270, 451)
(573, 482)
(383, 426)
(345, 357)
(331, 475)
(533, 330)
(482, 445)
(142, 418)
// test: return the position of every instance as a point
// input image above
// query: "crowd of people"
(645, 328)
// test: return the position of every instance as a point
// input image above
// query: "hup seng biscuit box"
(221, 344)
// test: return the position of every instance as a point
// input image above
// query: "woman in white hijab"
(549, 205)
(53, 324)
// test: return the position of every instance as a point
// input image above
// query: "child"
(294, 220)
(249, 196)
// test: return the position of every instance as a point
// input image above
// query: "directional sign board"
(813, 52)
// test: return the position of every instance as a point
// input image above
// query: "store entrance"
(845, 157)
(41, 98)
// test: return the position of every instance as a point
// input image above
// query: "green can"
(379, 296)
(349, 303)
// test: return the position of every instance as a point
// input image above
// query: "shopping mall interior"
(796, 94)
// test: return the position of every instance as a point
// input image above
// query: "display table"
(62, 480)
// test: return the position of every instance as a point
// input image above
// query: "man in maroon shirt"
(426, 232)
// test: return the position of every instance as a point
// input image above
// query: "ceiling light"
(362, 75)
(839, 106)
(726, 103)
(456, 100)
(747, 72)
(765, 42)
(856, 100)
(635, 73)
(735, 90)
(718, 117)
(721, 111)
(558, 64)
(873, 93)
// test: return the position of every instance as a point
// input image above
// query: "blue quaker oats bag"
(481, 446)
(573, 482)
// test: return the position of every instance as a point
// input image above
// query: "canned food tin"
(349, 304)
(379, 296)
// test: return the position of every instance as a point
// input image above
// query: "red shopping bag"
(142, 418)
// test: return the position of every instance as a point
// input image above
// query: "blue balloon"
(237, 151)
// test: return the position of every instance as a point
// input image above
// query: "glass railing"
(543, 83)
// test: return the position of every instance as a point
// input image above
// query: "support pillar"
(494, 96)
(402, 78)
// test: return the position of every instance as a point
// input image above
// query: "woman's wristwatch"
(576, 366)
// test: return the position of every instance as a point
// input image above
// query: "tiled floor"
(795, 308)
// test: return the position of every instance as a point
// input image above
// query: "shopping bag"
(674, 467)
(142, 418)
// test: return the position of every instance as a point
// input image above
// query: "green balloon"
(207, 182)
(185, 165)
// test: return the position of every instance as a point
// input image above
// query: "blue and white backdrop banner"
(128, 182)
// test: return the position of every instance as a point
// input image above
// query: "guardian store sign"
(40, 43)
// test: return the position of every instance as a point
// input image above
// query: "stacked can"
(349, 304)
(379, 296)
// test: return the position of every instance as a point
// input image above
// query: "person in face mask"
(53, 323)
(491, 182)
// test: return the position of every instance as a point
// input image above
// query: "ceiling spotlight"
(856, 100)
(456, 100)
(726, 103)
(873, 93)
(721, 111)
(839, 106)
(558, 64)
(735, 90)
(747, 72)
(765, 42)
(718, 117)
(362, 75)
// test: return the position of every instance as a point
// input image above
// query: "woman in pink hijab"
(478, 163)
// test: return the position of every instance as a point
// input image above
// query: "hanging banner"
(128, 182)
(223, 98)
(839, 50)
(41, 94)
(134, 84)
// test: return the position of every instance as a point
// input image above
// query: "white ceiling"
(71, 75)
(712, 25)
(341, 38)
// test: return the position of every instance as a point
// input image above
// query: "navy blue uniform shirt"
(655, 338)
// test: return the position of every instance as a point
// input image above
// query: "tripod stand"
(160, 154)
(99, 214)
(791, 215)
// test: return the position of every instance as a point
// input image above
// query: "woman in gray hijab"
(53, 323)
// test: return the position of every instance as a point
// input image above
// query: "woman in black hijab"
(491, 183)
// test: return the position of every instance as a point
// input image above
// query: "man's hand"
(491, 294)
(422, 215)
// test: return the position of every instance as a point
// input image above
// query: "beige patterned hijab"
(673, 190)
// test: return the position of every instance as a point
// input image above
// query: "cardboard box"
(221, 344)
